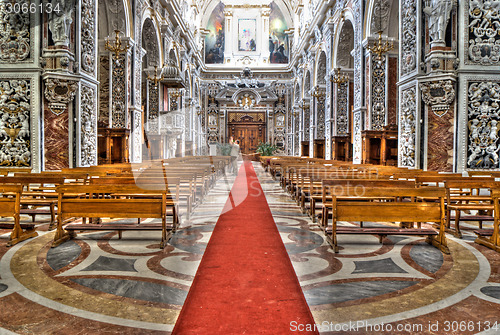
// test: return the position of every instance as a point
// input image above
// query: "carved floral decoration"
(483, 122)
(438, 95)
(59, 93)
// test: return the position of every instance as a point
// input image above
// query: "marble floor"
(98, 284)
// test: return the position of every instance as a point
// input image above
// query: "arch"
(321, 69)
(151, 43)
(114, 15)
(307, 84)
(297, 92)
(379, 16)
(344, 44)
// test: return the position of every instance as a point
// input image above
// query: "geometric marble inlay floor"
(98, 284)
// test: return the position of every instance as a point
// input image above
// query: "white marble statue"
(60, 21)
(438, 14)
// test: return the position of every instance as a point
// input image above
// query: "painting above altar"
(247, 36)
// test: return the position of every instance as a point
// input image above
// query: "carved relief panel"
(408, 37)
(118, 93)
(15, 34)
(407, 127)
(378, 92)
(88, 126)
(15, 123)
(482, 31)
(88, 36)
(483, 109)
(342, 109)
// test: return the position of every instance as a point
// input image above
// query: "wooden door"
(249, 135)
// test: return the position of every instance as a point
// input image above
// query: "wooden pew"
(463, 195)
(395, 211)
(38, 191)
(491, 237)
(114, 201)
(172, 185)
(310, 186)
(356, 187)
(10, 206)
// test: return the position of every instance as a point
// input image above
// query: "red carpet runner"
(245, 283)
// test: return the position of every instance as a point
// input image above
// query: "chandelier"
(339, 78)
(117, 47)
(156, 78)
(380, 48)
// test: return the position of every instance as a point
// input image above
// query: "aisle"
(245, 282)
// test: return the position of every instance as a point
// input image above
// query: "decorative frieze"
(357, 144)
(320, 122)
(154, 107)
(15, 135)
(118, 94)
(88, 126)
(104, 91)
(213, 119)
(306, 123)
(408, 37)
(15, 33)
(483, 123)
(482, 26)
(88, 39)
(407, 127)
(378, 89)
(342, 120)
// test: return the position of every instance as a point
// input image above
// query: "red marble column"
(392, 91)
(440, 141)
(56, 140)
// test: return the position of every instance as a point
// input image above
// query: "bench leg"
(458, 233)
(312, 210)
(61, 235)
(53, 223)
(18, 234)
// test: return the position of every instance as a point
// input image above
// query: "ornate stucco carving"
(88, 48)
(88, 130)
(59, 93)
(154, 107)
(409, 37)
(380, 15)
(378, 96)
(483, 107)
(438, 95)
(118, 94)
(15, 34)
(342, 120)
(482, 27)
(407, 127)
(15, 135)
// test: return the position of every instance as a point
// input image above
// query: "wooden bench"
(463, 195)
(491, 237)
(340, 188)
(389, 211)
(113, 201)
(38, 191)
(10, 206)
